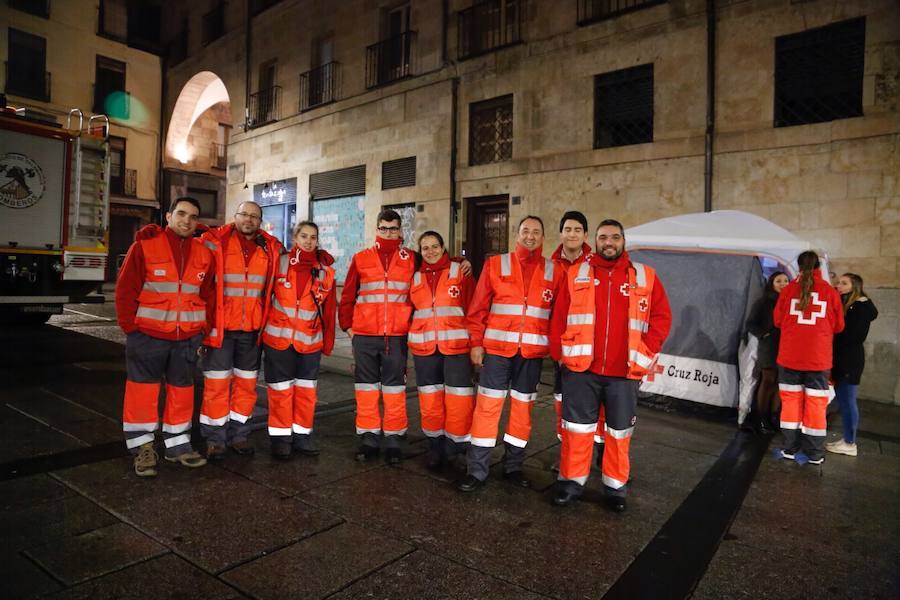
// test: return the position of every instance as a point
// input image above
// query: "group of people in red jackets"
(601, 316)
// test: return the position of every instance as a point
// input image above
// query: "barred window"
(591, 11)
(491, 130)
(623, 107)
(819, 74)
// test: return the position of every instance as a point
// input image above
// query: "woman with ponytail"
(850, 358)
(808, 313)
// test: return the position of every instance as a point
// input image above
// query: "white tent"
(704, 259)
(732, 231)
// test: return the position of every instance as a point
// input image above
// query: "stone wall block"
(860, 211)
(890, 240)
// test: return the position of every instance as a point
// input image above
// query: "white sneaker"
(841, 447)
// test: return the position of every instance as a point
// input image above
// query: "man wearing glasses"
(245, 257)
(375, 312)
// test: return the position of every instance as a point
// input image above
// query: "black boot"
(304, 444)
(435, 457)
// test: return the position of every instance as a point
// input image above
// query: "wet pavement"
(711, 513)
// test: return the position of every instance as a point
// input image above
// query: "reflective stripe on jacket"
(166, 303)
(578, 340)
(439, 320)
(382, 300)
(519, 318)
(294, 319)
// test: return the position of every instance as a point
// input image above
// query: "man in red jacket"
(165, 301)
(245, 259)
(609, 322)
(375, 312)
(509, 319)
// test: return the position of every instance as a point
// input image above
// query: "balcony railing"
(218, 158)
(21, 83)
(265, 106)
(489, 25)
(390, 59)
(320, 86)
(591, 11)
(130, 183)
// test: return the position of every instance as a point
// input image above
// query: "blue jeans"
(846, 397)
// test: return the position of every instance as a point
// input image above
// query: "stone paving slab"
(95, 553)
(28, 492)
(23, 437)
(319, 565)
(168, 576)
(43, 522)
(21, 578)
(211, 516)
(424, 575)
(64, 415)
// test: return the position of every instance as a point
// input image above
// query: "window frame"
(481, 107)
(602, 122)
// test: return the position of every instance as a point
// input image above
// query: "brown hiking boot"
(190, 459)
(145, 461)
(214, 452)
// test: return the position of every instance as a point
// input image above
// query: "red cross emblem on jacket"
(547, 295)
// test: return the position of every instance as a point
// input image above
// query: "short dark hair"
(190, 200)
(573, 215)
(433, 234)
(610, 223)
(387, 215)
(526, 217)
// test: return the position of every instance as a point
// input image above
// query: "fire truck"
(54, 212)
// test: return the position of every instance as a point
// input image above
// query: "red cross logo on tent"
(453, 291)
(814, 316)
(624, 289)
(547, 295)
(643, 305)
(655, 369)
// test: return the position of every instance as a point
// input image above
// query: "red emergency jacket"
(165, 287)
(560, 257)
(619, 324)
(243, 291)
(806, 336)
(302, 308)
(440, 294)
(382, 305)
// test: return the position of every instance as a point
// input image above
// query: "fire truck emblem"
(453, 291)
(22, 181)
(404, 255)
(547, 295)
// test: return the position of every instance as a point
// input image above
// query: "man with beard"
(245, 257)
(609, 322)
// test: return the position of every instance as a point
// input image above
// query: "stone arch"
(202, 91)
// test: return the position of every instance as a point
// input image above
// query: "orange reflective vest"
(382, 301)
(294, 317)
(439, 321)
(578, 340)
(168, 303)
(519, 319)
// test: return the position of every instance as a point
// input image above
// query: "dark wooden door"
(487, 228)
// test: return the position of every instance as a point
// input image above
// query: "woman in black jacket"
(850, 358)
(760, 324)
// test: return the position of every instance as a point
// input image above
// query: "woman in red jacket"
(299, 329)
(809, 313)
(439, 342)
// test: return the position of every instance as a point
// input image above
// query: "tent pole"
(710, 102)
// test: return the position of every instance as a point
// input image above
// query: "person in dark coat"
(761, 325)
(850, 357)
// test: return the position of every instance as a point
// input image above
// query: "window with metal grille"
(398, 173)
(25, 68)
(591, 11)
(340, 182)
(214, 24)
(623, 107)
(488, 25)
(113, 21)
(819, 74)
(491, 130)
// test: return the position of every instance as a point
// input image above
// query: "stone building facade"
(76, 41)
(354, 93)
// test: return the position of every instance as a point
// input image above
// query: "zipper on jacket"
(606, 336)
(178, 302)
(244, 298)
